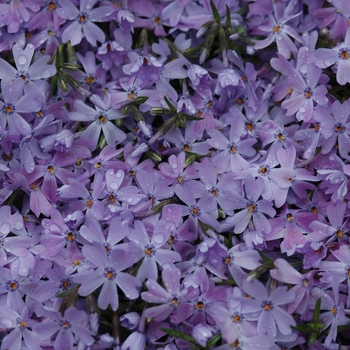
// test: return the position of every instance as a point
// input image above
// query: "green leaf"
(317, 311)
(62, 84)
(215, 11)
(265, 258)
(72, 57)
(65, 293)
(178, 334)
(141, 99)
(213, 341)
(228, 18)
(171, 107)
(242, 9)
(53, 85)
(13, 196)
(191, 117)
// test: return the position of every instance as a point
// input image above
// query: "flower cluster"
(174, 174)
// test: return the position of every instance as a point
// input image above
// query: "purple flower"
(82, 21)
(72, 323)
(21, 323)
(272, 315)
(254, 209)
(26, 73)
(233, 149)
(303, 283)
(334, 304)
(173, 300)
(338, 55)
(101, 121)
(279, 32)
(108, 274)
(152, 251)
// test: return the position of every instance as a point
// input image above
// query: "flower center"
(90, 80)
(289, 217)
(344, 54)
(276, 29)
(308, 93)
(50, 169)
(250, 126)
(267, 305)
(102, 119)
(51, 6)
(65, 324)
(200, 305)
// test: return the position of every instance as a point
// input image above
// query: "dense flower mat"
(174, 174)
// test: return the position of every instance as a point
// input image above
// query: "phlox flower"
(66, 328)
(25, 73)
(272, 315)
(108, 274)
(339, 56)
(253, 208)
(151, 248)
(174, 300)
(280, 32)
(81, 21)
(303, 283)
(21, 323)
(333, 303)
(100, 119)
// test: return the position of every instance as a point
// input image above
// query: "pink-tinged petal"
(325, 57)
(93, 33)
(108, 296)
(267, 324)
(343, 72)
(128, 284)
(64, 340)
(284, 320)
(72, 33)
(113, 134)
(284, 272)
(155, 293)
(89, 281)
